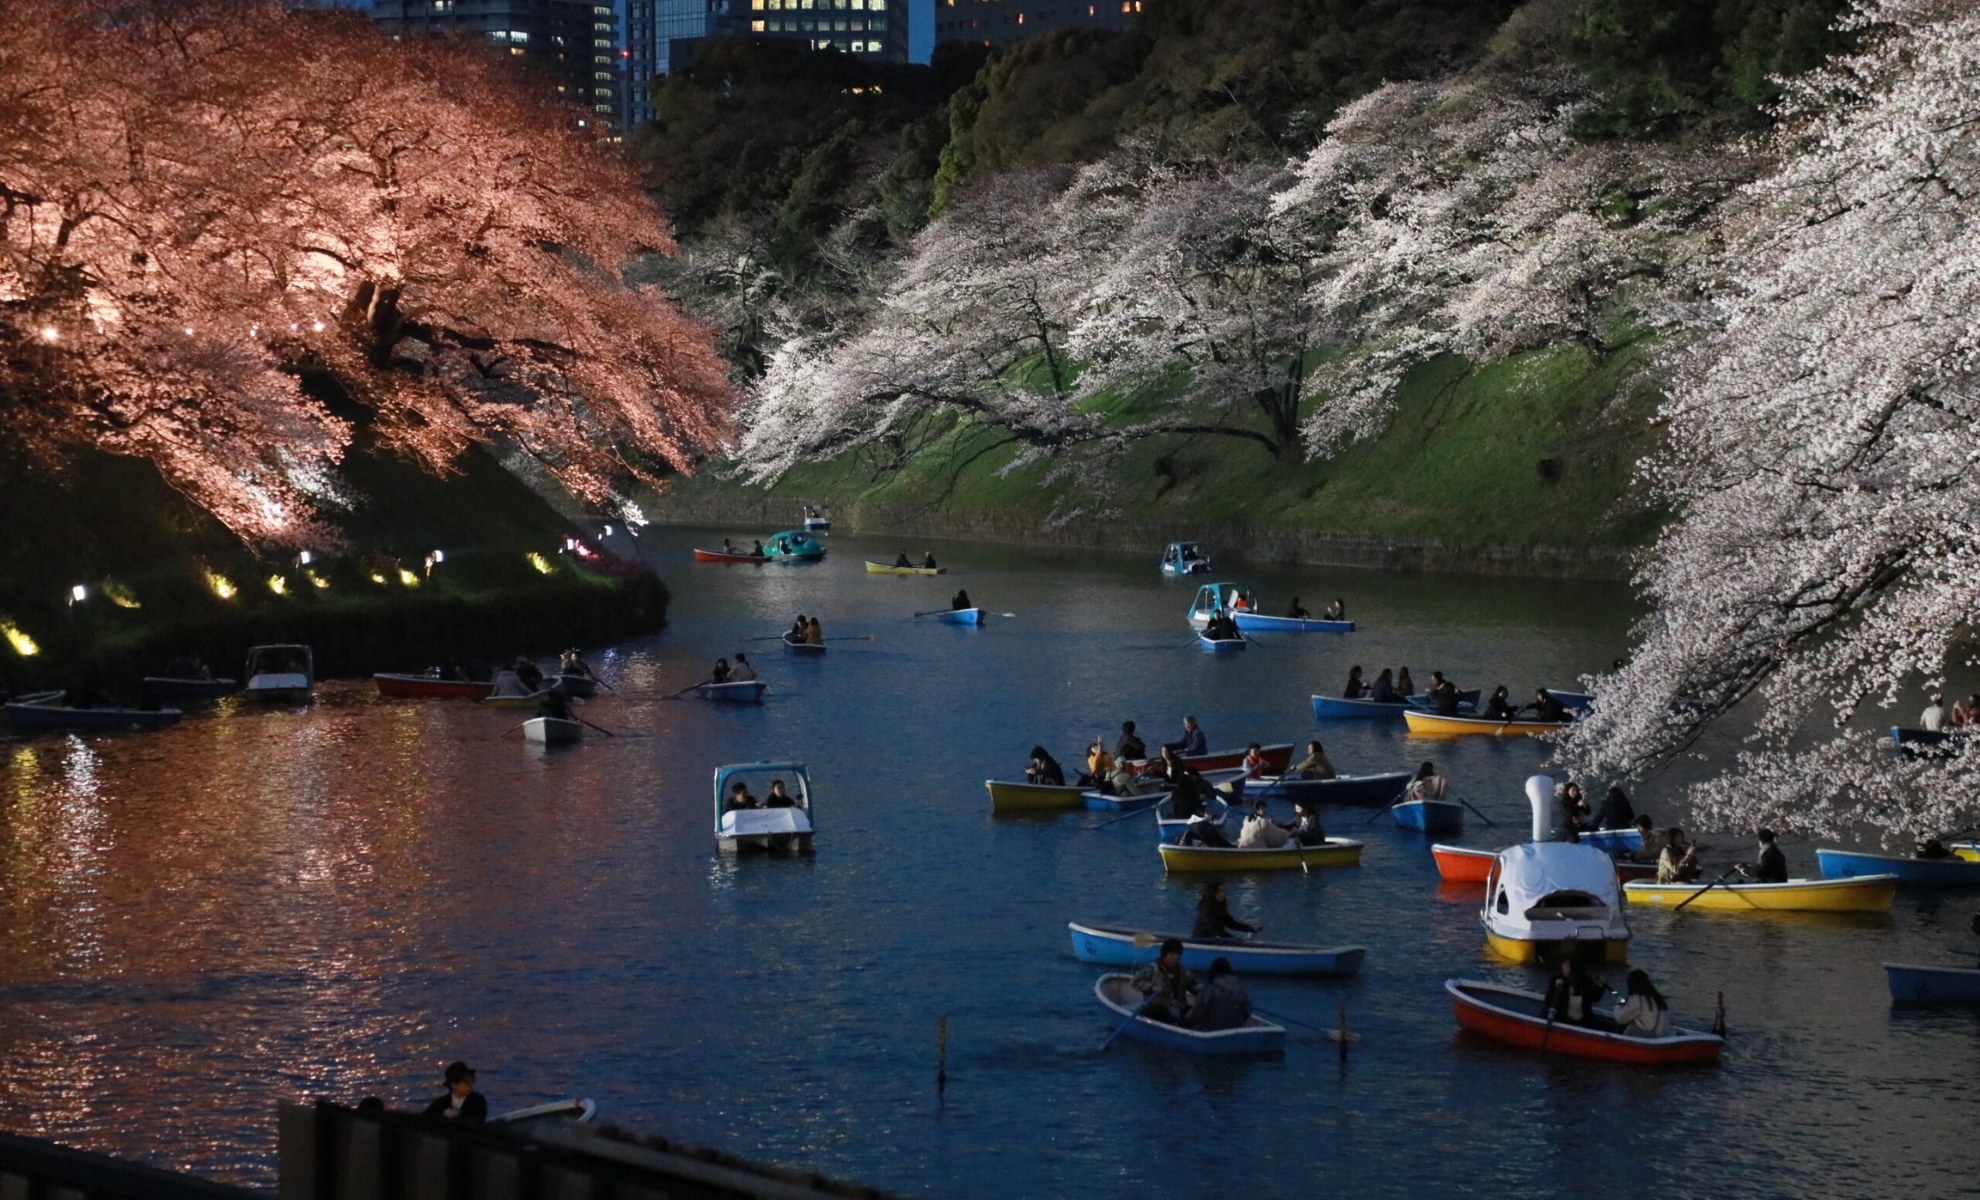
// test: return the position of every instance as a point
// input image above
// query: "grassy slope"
(1459, 463)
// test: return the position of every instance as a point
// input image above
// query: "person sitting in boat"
(1043, 768)
(740, 799)
(460, 1102)
(572, 663)
(1772, 867)
(758, 551)
(1337, 611)
(902, 561)
(1214, 921)
(742, 672)
(960, 600)
(1383, 690)
(1296, 612)
(1643, 1012)
(1616, 811)
(1965, 712)
(1260, 832)
(1254, 761)
(928, 561)
(1932, 848)
(784, 546)
(1192, 743)
(1405, 686)
(1547, 708)
(800, 629)
(1219, 627)
(1099, 767)
(1572, 993)
(1241, 602)
(721, 672)
(1499, 707)
(779, 798)
(555, 705)
(1130, 748)
(1427, 785)
(1166, 985)
(1678, 863)
(814, 633)
(1575, 812)
(1204, 830)
(1933, 719)
(1315, 764)
(528, 675)
(1443, 695)
(506, 684)
(1188, 791)
(727, 548)
(1646, 833)
(1222, 1004)
(1305, 828)
(1354, 687)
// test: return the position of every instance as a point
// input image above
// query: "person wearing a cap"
(461, 1102)
(1166, 984)
(1221, 1005)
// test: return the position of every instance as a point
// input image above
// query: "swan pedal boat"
(1956, 871)
(1335, 852)
(1868, 893)
(552, 731)
(1277, 758)
(742, 691)
(1543, 898)
(1251, 622)
(1509, 1015)
(1256, 1036)
(801, 648)
(424, 686)
(1120, 947)
(1382, 788)
(1428, 816)
(1917, 983)
(1425, 724)
(874, 568)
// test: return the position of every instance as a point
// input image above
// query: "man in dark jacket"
(1214, 921)
(461, 1102)
(1616, 811)
(1167, 986)
(1772, 867)
(1221, 1005)
(1130, 748)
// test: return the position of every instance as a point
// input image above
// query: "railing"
(31, 1169)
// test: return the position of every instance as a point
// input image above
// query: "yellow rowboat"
(1520, 950)
(1863, 893)
(874, 568)
(1032, 797)
(1426, 724)
(1338, 852)
(1970, 851)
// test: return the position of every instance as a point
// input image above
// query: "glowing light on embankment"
(316, 580)
(23, 644)
(222, 586)
(541, 563)
(278, 585)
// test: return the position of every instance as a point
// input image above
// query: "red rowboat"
(1626, 871)
(430, 685)
(1460, 864)
(1510, 1015)
(723, 556)
(1278, 759)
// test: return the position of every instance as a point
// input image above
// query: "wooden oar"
(864, 637)
(684, 691)
(507, 732)
(1332, 1034)
(1122, 1027)
(1125, 816)
(1701, 891)
(1481, 816)
(599, 728)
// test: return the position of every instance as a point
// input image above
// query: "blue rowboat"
(1905, 736)
(1384, 788)
(1612, 841)
(1428, 816)
(802, 648)
(1256, 1036)
(747, 691)
(164, 687)
(1913, 983)
(1251, 622)
(1910, 872)
(1334, 708)
(1210, 643)
(1578, 701)
(50, 718)
(1101, 802)
(961, 616)
(1118, 947)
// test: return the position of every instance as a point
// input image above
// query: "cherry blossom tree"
(1822, 450)
(202, 202)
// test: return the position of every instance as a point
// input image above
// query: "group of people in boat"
(1174, 996)
(806, 631)
(755, 551)
(1388, 688)
(927, 560)
(740, 798)
(739, 672)
(1964, 714)
(1573, 993)
(1222, 627)
(1443, 698)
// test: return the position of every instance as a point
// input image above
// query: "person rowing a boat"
(960, 600)
(1221, 1004)
(742, 672)
(1214, 921)
(528, 674)
(1193, 743)
(1315, 764)
(1499, 707)
(1546, 708)
(1260, 832)
(1383, 690)
(1337, 611)
(1044, 769)
(1305, 828)
(1678, 863)
(1572, 993)
(1428, 785)
(902, 561)
(1296, 612)
(928, 561)
(1772, 867)
(572, 663)
(721, 672)
(555, 705)
(1220, 628)
(1185, 785)
(799, 630)
(1354, 687)
(1165, 985)
(1130, 748)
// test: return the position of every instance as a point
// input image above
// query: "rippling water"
(334, 902)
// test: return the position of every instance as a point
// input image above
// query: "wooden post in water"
(941, 1055)
(1343, 1031)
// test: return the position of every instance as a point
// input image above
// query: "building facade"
(1005, 22)
(574, 44)
(651, 27)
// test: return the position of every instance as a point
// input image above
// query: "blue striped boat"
(1210, 643)
(1101, 802)
(1256, 1036)
(1334, 708)
(1251, 622)
(1428, 816)
(1612, 841)
(1384, 788)
(961, 616)
(1906, 736)
(1911, 872)
(1917, 984)
(1118, 947)
(1576, 701)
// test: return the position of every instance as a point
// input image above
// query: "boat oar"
(773, 638)
(1122, 1027)
(1126, 816)
(1481, 816)
(599, 728)
(507, 732)
(864, 637)
(1701, 891)
(1332, 1034)
(684, 691)
(933, 611)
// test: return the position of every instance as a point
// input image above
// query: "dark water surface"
(335, 902)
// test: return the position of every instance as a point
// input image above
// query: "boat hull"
(1276, 758)
(1523, 950)
(874, 568)
(1257, 1036)
(1220, 645)
(50, 718)
(1610, 841)
(1913, 983)
(529, 701)
(1425, 724)
(961, 616)
(1870, 893)
(748, 691)
(1910, 872)
(1101, 802)
(1248, 622)
(1337, 852)
(1428, 816)
(581, 687)
(552, 731)
(722, 556)
(1489, 1010)
(1366, 790)
(1461, 864)
(1334, 708)
(802, 649)
(160, 687)
(1032, 797)
(1126, 948)
(431, 686)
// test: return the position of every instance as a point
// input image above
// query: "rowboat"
(165, 687)
(1612, 841)
(1577, 701)
(526, 700)
(730, 556)
(1918, 984)
(558, 1112)
(1211, 599)
(1512, 1015)
(1277, 758)
(1382, 788)
(1251, 622)
(1424, 724)
(1185, 558)
(1910, 872)
(961, 616)
(552, 731)
(743, 691)
(1210, 643)
(1336, 852)
(1033, 797)
(280, 674)
(52, 718)
(1428, 816)
(801, 648)
(1919, 738)
(1467, 702)
(1543, 898)
(1462, 864)
(1099, 801)
(1968, 851)
(1256, 1036)
(780, 827)
(1629, 872)
(1334, 708)
(874, 568)
(1118, 947)
(51, 696)
(580, 687)
(431, 686)
(1867, 893)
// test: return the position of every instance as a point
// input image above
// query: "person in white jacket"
(1259, 832)
(1933, 719)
